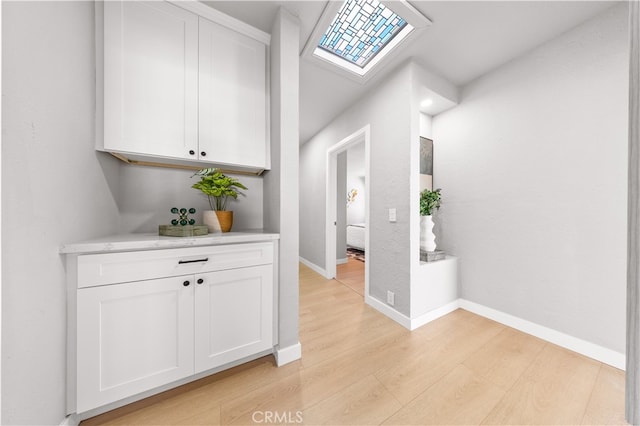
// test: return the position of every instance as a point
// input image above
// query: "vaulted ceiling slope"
(467, 39)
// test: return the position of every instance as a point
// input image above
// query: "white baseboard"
(70, 420)
(411, 323)
(341, 261)
(599, 353)
(313, 266)
(288, 354)
(434, 314)
(583, 347)
(387, 310)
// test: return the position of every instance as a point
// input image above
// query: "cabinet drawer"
(110, 268)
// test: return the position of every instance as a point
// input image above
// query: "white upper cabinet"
(233, 110)
(150, 78)
(182, 89)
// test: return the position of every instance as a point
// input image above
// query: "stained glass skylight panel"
(361, 30)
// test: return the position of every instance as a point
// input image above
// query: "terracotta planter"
(218, 221)
(226, 220)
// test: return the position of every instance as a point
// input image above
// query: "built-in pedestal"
(434, 290)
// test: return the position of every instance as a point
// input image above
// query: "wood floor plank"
(460, 398)
(605, 405)
(312, 384)
(209, 417)
(351, 274)
(360, 367)
(365, 402)
(555, 389)
(506, 357)
(174, 406)
(414, 371)
(348, 336)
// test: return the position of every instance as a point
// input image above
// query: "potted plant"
(429, 200)
(218, 188)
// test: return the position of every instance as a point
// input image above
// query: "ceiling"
(466, 40)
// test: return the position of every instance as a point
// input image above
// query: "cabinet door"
(133, 337)
(150, 78)
(232, 70)
(234, 315)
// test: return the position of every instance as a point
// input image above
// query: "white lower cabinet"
(242, 297)
(134, 336)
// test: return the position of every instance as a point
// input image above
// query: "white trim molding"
(632, 383)
(591, 350)
(387, 310)
(331, 172)
(434, 314)
(70, 420)
(315, 267)
(583, 347)
(289, 354)
(223, 19)
(411, 323)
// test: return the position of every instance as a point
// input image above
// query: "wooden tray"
(182, 231)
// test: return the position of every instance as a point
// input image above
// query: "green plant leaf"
(217, 187)
(429, 200)
(204, 172)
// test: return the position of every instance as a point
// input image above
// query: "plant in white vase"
(429, 200)
(218, 188)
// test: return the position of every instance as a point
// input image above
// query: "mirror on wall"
(426, 164)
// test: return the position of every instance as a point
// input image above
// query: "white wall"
(55, 188)
(426, 126)
(148, 193)
(281, 182)
(388, 111)
(532, 167)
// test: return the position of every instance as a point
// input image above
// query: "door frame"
(359, 136)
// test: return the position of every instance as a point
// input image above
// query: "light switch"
(392, 215)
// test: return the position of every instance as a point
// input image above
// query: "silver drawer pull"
(181, 262)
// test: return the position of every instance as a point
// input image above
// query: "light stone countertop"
(152, 241)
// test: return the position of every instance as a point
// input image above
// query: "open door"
(360, 136)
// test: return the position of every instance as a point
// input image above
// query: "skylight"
(362, 32)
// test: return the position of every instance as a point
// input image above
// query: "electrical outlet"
(392, 215)
(391, 298)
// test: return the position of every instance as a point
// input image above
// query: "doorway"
(359, 144)
(351, 203)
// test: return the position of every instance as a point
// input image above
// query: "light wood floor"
(351, 274)
(359, 367)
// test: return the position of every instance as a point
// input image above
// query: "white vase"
(210, 219)
(427, 237)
